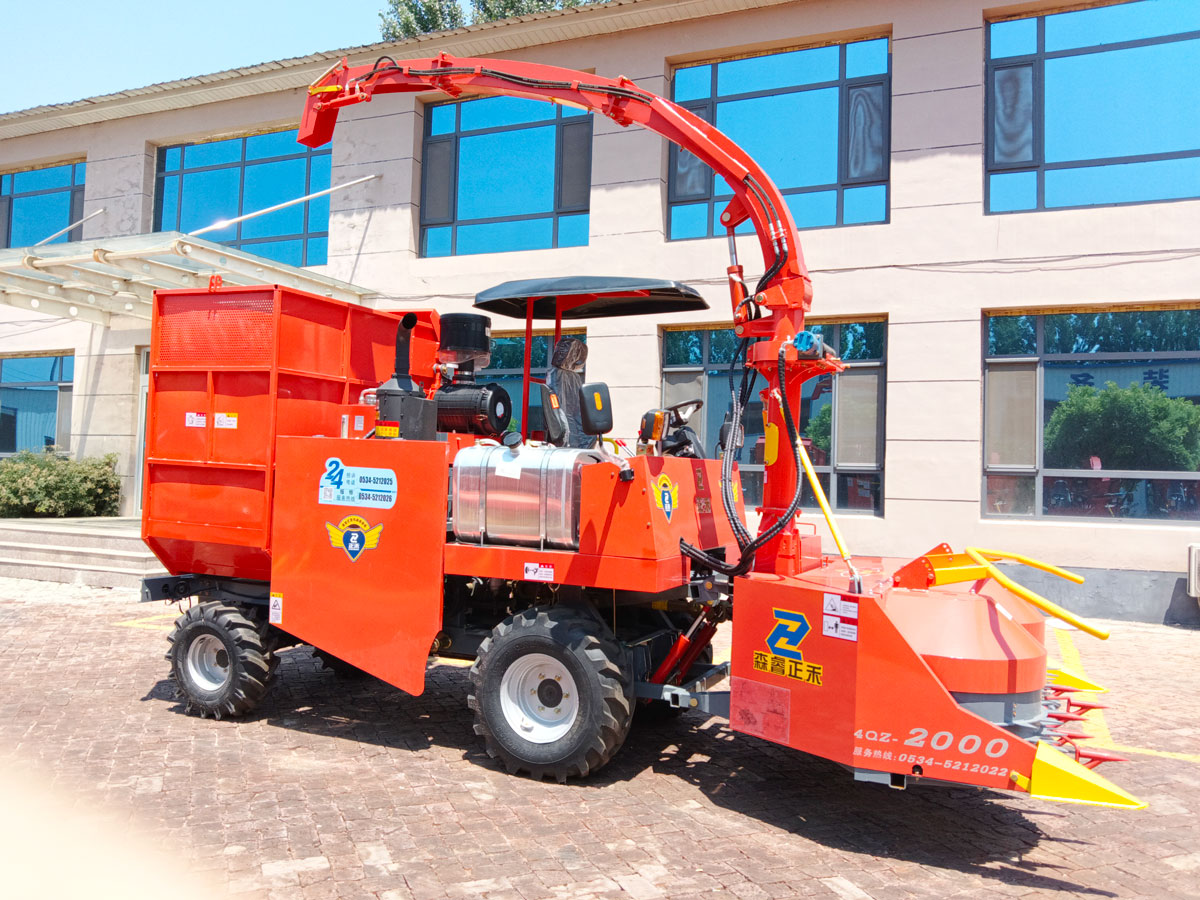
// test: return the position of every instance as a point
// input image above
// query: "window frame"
(1038, 471)
(61, 356)
(556, 118)
(831, 333)
(74, 203)
(161, 173)
(705, 108)
(1038, 165)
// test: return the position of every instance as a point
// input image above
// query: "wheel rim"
(208, 662)
(539, 698)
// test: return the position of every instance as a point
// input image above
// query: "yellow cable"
(824, 503)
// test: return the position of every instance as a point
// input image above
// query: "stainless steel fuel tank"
(527, 495)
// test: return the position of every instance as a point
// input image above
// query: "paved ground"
(362, 791)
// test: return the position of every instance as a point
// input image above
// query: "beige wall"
(933, 270)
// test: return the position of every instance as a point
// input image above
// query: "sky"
(55, 51)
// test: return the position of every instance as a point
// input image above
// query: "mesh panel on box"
(219, 329)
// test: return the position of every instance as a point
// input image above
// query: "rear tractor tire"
(219, 663)
(552, 694)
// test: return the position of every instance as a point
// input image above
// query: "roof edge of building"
(482, 39)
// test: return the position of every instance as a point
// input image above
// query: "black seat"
(565, 379)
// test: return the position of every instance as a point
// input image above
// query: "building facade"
(998, 205)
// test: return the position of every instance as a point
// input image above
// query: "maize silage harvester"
(328, 474)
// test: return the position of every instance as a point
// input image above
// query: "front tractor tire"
(219, 662)
(552, 694)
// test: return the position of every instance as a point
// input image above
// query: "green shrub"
(45, 484)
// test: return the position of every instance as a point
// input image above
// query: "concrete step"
(106, 552)
(33, 553)
(112, 534)
(91, 575)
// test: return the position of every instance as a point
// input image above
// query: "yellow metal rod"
(1051, 609)
(1032, 563)
(822, 501)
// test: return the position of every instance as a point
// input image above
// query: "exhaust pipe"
(402, 372)
(404, 412)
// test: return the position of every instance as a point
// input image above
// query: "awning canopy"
(91, 280)
(589, 297)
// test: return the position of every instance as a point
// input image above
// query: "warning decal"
(840, 618)
(275, 615)
(539, 572)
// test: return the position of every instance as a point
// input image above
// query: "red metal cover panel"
(353, 573)
(230, 370)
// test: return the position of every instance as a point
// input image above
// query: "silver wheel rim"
(539, 698)
(208, 662)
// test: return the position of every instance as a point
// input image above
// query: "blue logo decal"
(353, 534)
(790, 629)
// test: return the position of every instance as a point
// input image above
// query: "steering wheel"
(681, 412)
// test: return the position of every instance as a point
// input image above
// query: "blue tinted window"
(210, 197)
(1121, 22)
(1130, 102)
(693, 83)
(497, 112)
(246, 175)
(169, 198)
(267, 184)
(512, 174)
(441, 118)
(438, 241)
(867, 58)
(317, 252)
(814, 209)
(1017, 37)
(289, 252)
(1164, 179)
(861, 205)
(277, 143)
(573, 231)
(808, 125)
(487, 190)
(38, 216)
(1078, 102)
(214, 153)
(34, 368)
(42, 179)
(689, 220)
(789, 162)
(500, 237)
(1010, 191)
(779, 70)
(35, 402)
(37, 203)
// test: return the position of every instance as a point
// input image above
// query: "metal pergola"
(90, 281)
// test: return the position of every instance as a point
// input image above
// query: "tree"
(491, 10)
(408, 18)
(820, 428)
(1136, 427)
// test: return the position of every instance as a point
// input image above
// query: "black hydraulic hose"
(747, 558)
(622, 93)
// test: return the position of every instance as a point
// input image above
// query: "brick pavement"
(350, 790)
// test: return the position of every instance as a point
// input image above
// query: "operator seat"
(566, 380)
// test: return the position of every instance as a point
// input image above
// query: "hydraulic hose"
(742, 566)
